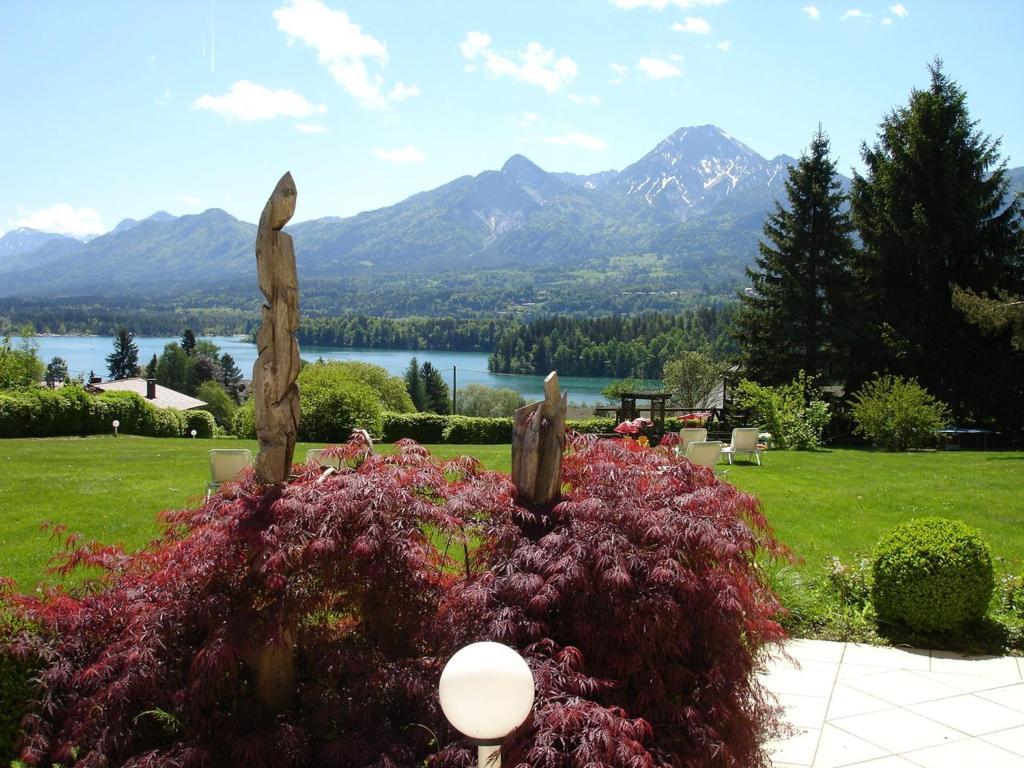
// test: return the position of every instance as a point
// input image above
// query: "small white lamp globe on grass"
(486, 692)
(193, 434)
(115, 424)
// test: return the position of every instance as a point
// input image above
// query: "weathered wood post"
(538, 439)
(271, 659)
(275, 393)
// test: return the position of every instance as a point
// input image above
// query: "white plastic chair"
(744, 440)
(225, 464)
(689, 435)
(704, 453)
(316, 455)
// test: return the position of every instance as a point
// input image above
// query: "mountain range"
(686, 215)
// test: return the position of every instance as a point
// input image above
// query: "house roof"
(165, 396)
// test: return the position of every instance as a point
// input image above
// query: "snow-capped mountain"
(17, 245)
(696, 169)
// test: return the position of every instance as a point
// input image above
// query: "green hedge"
(425, 428)
(73, 411)
(202, 422)
(431, 429)
(593, 426)
(477, 430)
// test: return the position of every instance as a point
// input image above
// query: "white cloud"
(250, 102)
(657, 69)
(724, 46)
(531, 117)
(575, 98)
(61, 218)
(309, 128)
(401, 155)
(576, 139)
(401, 92)
(537, 65)
(620, 70)
(190, 200)
(341, 46)
(693, 24)
(853, 13)
(660, 5)
(887, 21)
(899, 10)
(811, 11)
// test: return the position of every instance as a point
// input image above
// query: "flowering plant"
(695, 419)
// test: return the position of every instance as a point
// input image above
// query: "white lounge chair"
(744, 440)
(316, 455)
(704, 453)
(689, 435)
(225, 464)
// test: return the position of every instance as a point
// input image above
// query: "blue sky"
(118, 109)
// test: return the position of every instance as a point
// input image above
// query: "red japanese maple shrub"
(307, 625)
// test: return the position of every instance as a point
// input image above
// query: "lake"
(88, 353)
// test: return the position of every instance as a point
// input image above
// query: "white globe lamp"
(193, 434)
(486, 692)
(115, 423)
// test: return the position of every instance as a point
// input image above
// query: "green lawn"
(834, 502)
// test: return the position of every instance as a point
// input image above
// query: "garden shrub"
(390, 389)
(489, 402)
(931, 574)
(201, 421)
(73, 411)
(426, 428)
(794, 413)
(243, 423)
(597, 425)
(477, 430)
(898, 414)
(636, 602)
(333, 403)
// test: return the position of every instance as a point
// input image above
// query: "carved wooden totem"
(275, 393)
(538, 438)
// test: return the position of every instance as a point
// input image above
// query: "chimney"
(151, 389)
(95, 380)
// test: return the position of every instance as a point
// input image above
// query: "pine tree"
(797, 313)
(188, 342)
(123, 362)
(933, 210)
(415, 386)
(231, 376)
(151, 367)
(438, 399)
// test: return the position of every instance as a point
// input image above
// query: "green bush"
(73, 411)
(477, 430)
(897, 414)
(490, 402)
(425, 428)
(794, 413)
(598, 425)
(218, 402)
(333, 404)
(931, 575)
(243, 423)
(202, 422)
(390, 389)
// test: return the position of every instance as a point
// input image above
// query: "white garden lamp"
(115, 424)
(486, 692)
(193, 434)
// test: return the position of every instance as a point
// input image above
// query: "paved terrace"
(870, 707)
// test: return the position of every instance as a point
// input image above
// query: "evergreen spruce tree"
(438, 399)
(415, 386)
(123, 362)
(231, 376)
(797, 315)
(188, 342)
(151, 367)
(933, 210)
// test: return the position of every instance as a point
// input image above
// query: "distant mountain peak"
(519, 163)
(161, 216)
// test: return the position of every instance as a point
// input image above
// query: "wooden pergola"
(658, 402)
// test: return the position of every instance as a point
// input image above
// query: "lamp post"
(486, 692)
(115, 424)
(193, 434)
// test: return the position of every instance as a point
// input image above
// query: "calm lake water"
(88, 353)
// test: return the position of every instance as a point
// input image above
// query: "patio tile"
(805, 711)
(813, 678)
(1003, 667)
(894, 658)
(851, 671)
(972, 752)
(797, 749)
(1011, 696)
(837, 747)
(1011, 740)
(898, 730)
(816, 650)
(893, 761)
(902, 687)
(965, 683)
(970, 714)
(847, 701)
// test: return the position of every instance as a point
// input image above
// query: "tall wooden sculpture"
(538, 439)
(275, 392)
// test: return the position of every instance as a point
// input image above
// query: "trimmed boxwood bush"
(477, 430)
(424, 428)
(201, 421)
(931, 575)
